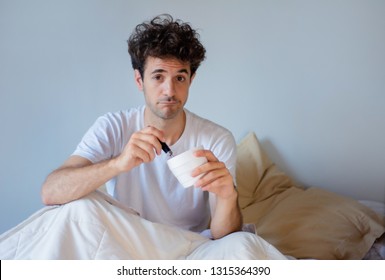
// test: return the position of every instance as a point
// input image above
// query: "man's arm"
(78, 176)
(227, 217)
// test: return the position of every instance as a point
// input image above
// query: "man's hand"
(216, 179)
(78, 176)
(142, 147)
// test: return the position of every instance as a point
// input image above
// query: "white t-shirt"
(151, 188)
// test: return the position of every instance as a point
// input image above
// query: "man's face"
(165, 85)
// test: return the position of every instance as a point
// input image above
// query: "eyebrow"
(162, 71)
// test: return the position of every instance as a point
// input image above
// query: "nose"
(169, 87)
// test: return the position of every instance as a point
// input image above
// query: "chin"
(170, 114)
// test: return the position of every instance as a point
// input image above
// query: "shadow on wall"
(280, 161)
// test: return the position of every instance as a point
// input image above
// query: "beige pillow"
(303, 223)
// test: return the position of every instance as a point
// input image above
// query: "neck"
(172, 128)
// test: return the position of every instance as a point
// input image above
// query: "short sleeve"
(100, 141)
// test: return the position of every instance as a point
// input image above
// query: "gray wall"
(307, 76)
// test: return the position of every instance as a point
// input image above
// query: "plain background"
(308, 77)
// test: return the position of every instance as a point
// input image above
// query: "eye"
(157, 77)
(180, 78)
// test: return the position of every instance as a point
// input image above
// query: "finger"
(212, 176)
(157, 136)
(214, 186)
(207, 154)
(208, 167)
(141, 150)
(148, 141)
(222, 186)
(152, 130)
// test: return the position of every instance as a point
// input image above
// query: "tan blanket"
(303, 223)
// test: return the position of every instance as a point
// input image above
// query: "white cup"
(183, 164)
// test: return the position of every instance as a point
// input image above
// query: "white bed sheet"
(99, 227)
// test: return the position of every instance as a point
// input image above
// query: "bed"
(282, 221)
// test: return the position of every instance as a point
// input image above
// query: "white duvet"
(99, 227)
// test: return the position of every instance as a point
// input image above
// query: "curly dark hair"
(164, 37)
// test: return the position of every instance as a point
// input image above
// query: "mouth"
(168, 101)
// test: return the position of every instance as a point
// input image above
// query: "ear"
(138, 80)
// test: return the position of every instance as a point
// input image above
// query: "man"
(123, 149)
